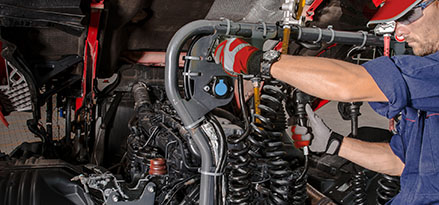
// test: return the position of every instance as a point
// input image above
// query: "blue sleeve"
(398, 147)
(422, 77)
(393, 87)
(411, 81)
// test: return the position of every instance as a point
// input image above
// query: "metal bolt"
(151, 189)
(206, 88)
(115, 198)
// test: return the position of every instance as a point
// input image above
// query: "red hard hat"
(391, 10)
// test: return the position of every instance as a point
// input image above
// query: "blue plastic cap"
(221, 88)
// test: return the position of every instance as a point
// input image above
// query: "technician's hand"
(324, 139)
(238, 57)
(301, 136)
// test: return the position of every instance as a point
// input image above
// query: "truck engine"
(150, 118)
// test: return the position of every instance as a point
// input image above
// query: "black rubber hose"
(222, 153)
(243, 110)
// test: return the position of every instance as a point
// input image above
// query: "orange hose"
(300, 9)
(286, 40)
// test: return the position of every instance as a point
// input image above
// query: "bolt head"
(150, 189)
(206, 88)
(115, 198)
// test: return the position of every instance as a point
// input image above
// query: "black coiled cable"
(359, 185)
(239, 159)
(300, 183)
(299, 191)
(270, 125)
(239, 177)
(389, 187)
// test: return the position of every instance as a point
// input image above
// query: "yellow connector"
(300, 9)
(286, 40)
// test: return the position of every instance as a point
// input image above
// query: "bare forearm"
(378, 157)
(328, 78)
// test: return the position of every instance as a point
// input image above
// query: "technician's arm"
(377, 157)
(328, 78)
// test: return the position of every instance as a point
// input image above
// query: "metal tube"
(286, 40)
(207, 184)
(201, 27)
(333, 36)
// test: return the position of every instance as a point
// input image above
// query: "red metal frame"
(92, 46)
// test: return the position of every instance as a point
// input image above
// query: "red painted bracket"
(311, 10)
(91, 47)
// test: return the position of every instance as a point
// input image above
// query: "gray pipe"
(183, 108)
(333, 36)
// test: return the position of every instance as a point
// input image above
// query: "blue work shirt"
(411, 84)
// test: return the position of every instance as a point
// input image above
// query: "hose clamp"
(299, 36)
(213, 174)
(264, 26)
(229, 26)
(332, 34)
(320, 36)
(195, 124)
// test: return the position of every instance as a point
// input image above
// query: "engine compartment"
(145, 126)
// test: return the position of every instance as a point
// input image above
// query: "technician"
(400, 84)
